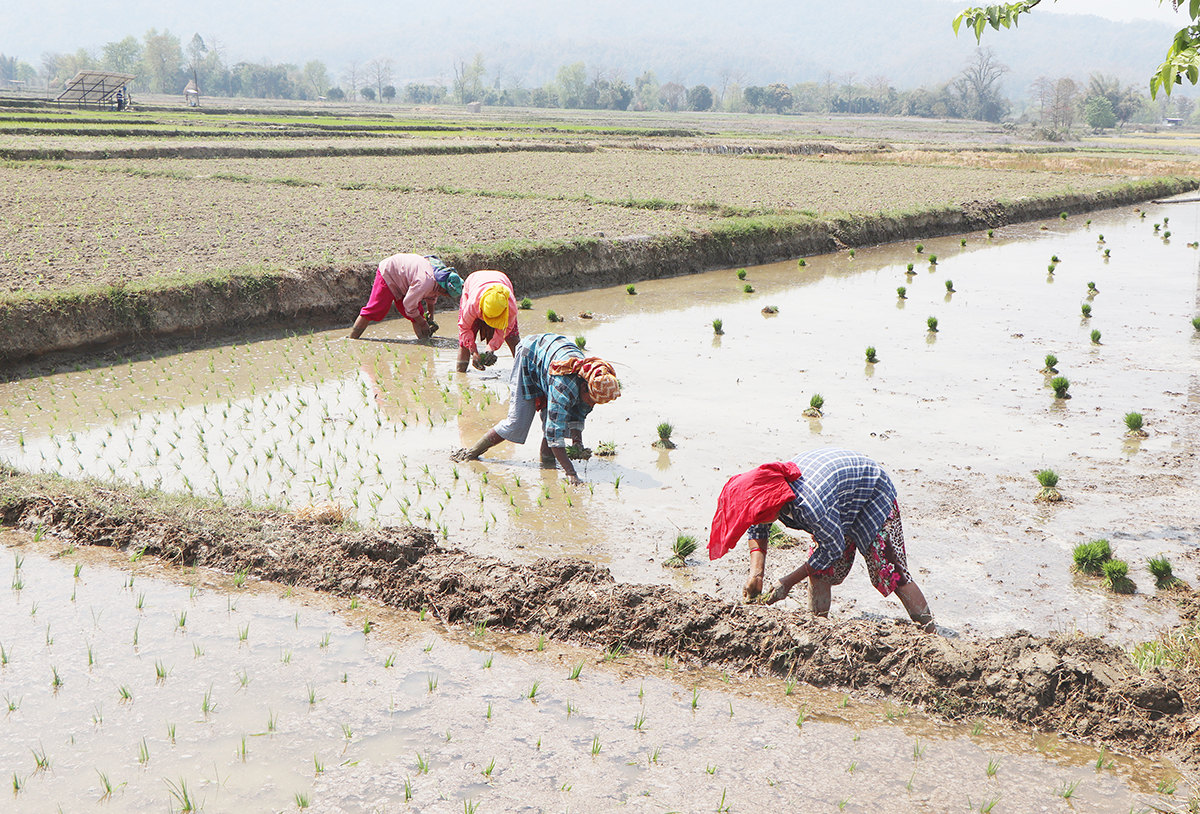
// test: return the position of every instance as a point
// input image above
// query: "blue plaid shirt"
(839, 494)
(565, 410)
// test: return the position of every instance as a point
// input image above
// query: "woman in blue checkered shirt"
(845, 501)
(550, 376)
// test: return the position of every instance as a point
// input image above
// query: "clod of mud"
(1076, 685)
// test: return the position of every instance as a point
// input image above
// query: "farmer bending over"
(550, 375)
(487, 310)
(845, 501)
(413, 283)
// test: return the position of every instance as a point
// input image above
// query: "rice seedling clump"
(1048, 479)
(664, 430)
(684, 547)
(1133, 425)
(1160, 569)
(1090, 557)
(1116, 577)
(814, 406)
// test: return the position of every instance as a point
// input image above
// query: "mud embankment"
(318, 296)
(1078, 686)
(197, 151)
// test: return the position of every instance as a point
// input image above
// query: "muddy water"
(962, 418)
(266, 695)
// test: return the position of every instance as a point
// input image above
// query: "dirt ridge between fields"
(229, 151)
(216, 306)
(1078, 686)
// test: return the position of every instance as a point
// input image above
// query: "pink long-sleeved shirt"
(410, 279)
(469, 308)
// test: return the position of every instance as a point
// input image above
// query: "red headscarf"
(748, 499)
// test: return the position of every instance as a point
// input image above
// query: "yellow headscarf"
(493, 305)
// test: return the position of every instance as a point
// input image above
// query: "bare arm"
(758, 567)
(560, 455)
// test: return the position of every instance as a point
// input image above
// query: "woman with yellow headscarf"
(488, 311)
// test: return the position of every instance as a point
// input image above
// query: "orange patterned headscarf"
(600, 377)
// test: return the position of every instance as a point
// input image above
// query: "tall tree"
(50, 65)
(162, 59)
(316, 77)
(978, 87)
(1062, 103)
(699, 97)
(672, 95)
(1125, 101)
(123, 56)
(352, 79)
(1042, 91)
(379, 73)
(572, 84)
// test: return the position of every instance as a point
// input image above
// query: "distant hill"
(690, 41)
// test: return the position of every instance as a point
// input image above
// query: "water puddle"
(175, 684)
(962, 418)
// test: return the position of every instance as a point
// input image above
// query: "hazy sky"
(689, 41)
(1120, 10)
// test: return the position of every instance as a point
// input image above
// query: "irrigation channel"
(962, 418)
(145, 688)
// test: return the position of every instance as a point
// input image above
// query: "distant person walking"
(412, 283)
(845, 501)
(550, 375)
(487, 311)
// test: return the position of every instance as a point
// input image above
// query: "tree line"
(163, 64)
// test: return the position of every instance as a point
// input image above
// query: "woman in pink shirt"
(488, 310)
(412, 283)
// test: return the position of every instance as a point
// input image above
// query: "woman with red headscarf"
(845, 501)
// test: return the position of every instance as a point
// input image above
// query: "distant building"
(1172, 122)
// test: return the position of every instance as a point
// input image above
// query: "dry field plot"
(775, 182)
(63, 228)
(104, 221)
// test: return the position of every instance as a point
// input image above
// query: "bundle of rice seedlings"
(664, 436)
(1133, 423)
(1160, 568)
(684, 547)
(1048, 479)
(1090, 557)
(1116, 577)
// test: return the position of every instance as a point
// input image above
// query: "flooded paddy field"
(962, 418)
(132, 685)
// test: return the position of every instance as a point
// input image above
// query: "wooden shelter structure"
(102, 89)
(191, 94)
